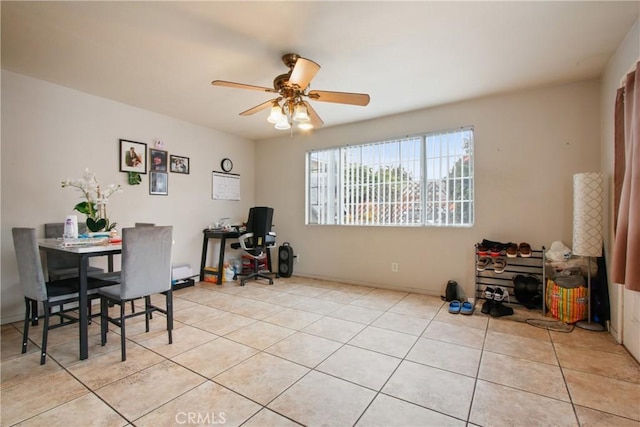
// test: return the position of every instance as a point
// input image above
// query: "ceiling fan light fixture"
(305, 125)
(276, 115)
(283, 124)
(300, 113)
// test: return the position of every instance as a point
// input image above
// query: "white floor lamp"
(588, 198)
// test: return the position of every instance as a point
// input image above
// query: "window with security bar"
(423, 180)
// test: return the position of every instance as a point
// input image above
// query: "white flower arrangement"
(95, 201)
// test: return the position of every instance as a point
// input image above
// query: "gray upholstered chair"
(64, 266)
(51, 294)
(144, 224)
(146, 270)
(115, 276)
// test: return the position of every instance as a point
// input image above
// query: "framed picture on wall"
(159, 183)
(158, 161)
(133, 156)
(179, 164)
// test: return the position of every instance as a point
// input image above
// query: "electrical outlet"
(296, 258)
(394, 267)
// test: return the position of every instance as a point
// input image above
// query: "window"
(424, 180)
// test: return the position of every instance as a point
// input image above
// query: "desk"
(215, 234)
(83, 254)
(223, 236)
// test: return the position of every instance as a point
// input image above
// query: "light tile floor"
(313, 352)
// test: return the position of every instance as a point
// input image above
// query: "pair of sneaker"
(495, 295)
(499, 264)
(523, 249)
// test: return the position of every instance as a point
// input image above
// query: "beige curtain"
(626, 244)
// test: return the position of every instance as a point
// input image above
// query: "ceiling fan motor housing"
(290, 59)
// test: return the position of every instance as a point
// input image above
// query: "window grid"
(424, 180)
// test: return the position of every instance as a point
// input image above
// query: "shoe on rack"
(486, 306)
(512, 250)
(500, 294)
(533, 288)
(488, 294)
(496, 251)
(499, 265)
(490, 244)
(483, 263)
(498, 309)
(525, 250)
(520, 288)
(482, 250)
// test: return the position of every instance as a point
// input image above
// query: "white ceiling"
(162, 56)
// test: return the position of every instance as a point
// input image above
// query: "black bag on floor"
(452, 292)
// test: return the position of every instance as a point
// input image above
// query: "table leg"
(83, 309)
(223, 243)
(203, 259)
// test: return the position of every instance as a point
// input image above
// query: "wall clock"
(226, 164)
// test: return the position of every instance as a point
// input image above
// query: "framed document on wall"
(225, 186)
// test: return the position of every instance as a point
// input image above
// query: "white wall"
(50, 132)
(527, 147)
(627, 54)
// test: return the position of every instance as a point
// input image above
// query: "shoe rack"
(533, 265)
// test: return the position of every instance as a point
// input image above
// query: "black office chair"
(257, 241)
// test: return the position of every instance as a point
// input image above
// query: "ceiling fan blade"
(303, 72)
(241, 86)
(316, 121)
(361, 99)
(257, 108)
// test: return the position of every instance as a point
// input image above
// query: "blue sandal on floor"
(466, 308)
(454, 307)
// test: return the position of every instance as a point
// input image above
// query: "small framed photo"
(158, 160)
(179, 164)
(133, 156)
(159, 183)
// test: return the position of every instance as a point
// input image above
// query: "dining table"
(83, 251)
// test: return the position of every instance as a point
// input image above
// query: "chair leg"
(45, 332)
(27, 319)
(34, 313)
(123, 339)
(104, 323)
(147, 314)
(170, 314)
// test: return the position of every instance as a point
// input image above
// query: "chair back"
(146, 261)
(29, 263)
(144, 224)
(257, 237)
(259, 224)
(60, 261)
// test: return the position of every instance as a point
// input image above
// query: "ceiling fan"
(291, 106)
